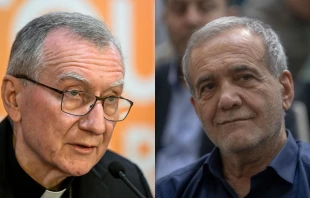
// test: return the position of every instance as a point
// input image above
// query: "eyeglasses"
(80, 103)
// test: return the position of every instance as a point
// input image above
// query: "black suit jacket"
(97, 183)
(162, 102)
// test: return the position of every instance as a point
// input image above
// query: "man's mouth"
(232, 121)
(83, 148)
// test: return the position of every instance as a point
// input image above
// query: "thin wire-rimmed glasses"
(79, 103)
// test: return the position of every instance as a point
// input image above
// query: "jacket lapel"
(91, 185)
(5, 188)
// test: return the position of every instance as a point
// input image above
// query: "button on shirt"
(286, 176)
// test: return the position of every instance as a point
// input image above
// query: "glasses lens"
(116, 109)
(77, 102)
(80, 103)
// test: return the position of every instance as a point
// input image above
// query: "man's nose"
(94, 120)
(229, 97)
(193, 16)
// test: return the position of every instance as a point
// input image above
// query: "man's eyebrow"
(234, 69)
(117, 83)
(78, 77)
(203, 79)
(74, 76)
(241, 68)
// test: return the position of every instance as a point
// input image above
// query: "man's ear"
(286, 81)
(9, 91)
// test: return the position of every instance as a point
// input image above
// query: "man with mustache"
(236, 70)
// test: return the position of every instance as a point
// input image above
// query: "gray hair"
(27, 55)
(274, 56)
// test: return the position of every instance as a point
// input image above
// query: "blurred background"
(132, 23)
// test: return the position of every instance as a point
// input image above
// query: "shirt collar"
(286, 160)
(284, 163)
(213, 163)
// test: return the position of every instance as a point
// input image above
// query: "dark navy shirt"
(286, 176)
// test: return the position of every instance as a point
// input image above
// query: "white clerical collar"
(53, 194)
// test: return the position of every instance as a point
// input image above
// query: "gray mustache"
(233, 118)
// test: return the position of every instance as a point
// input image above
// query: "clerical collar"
(52, 194)
(24, 186)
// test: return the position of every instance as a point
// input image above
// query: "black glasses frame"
(62, 93)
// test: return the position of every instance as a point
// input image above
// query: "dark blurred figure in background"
(180, 139)
(291, 20)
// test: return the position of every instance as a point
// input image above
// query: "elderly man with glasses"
(62, 92)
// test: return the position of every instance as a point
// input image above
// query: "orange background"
(132, 22)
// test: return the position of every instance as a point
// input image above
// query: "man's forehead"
(194, 1)
(238, 41)
(64, 40)
(64, 36)
(234, 37)
(57, 34)
(72, 75)
(189, 0)
(62, 49)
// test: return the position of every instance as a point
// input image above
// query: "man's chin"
(78, 169)
(237, 148)
(238, 144)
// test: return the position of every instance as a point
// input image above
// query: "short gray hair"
(27, 55)
(274, 56)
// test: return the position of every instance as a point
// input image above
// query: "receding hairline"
(27, 50)
(228, 2)
(249, 35)
(69, 34)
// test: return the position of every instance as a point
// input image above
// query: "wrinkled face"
(71, 144)
(183, 17)
(238, 100)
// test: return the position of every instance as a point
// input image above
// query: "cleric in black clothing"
(62, 92)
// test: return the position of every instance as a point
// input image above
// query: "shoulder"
(304, 152)
(176, 183)
(131, 169)
(111, 156)
(303, 166)
(303, 159)
(5, 132)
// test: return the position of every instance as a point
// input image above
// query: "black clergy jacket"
(96, 183)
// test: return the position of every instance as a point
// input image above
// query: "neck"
(48, 177)
(238, 168)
